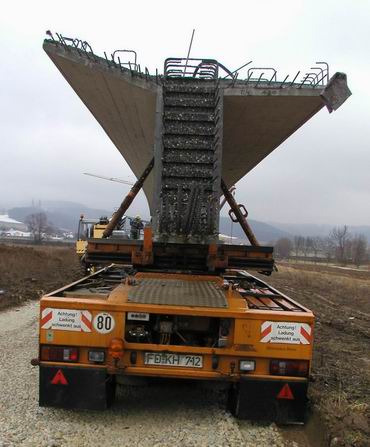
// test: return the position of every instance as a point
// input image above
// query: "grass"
(337, 288)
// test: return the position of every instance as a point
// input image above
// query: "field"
(27, 272)
(340, 299)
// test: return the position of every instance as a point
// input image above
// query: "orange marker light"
(116, 348)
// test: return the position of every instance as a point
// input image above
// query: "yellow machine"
(88, 228)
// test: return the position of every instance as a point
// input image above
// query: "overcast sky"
(49, 138)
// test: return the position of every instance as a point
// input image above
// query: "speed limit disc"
(103, 323)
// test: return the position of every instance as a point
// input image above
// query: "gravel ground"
(158, 414)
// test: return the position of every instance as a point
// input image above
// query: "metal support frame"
(240, 214)
(117, 216)
(149, 255)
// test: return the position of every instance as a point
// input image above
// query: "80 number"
(103, 323)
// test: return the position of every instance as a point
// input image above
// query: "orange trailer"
(231, 327)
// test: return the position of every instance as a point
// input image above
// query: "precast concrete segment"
(123, 106)
(188, 148)
(256, 120)
(256, 124)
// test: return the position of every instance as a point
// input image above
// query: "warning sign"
(285, 332)
(59, 378)
(285, 393)
(66, 320)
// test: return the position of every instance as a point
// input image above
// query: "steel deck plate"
(178, 293)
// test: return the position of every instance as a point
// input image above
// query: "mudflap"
(275, 400)
(74, 387)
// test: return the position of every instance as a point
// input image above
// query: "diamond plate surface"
(178, 293)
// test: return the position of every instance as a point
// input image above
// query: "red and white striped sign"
(66, 320)
(286, 332)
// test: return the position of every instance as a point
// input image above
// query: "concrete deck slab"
(256, 119)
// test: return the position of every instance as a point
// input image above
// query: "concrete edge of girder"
(333, 95)
(97, 63)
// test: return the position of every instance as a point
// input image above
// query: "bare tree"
(298, 245)
(328, 248)
(307, 246)
(317, 246)
(341, 238)
(348, 249)
(37, 224)
(359, 249)
(283, 247)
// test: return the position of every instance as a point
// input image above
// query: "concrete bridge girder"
(255, 121)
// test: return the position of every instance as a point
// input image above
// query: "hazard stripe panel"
(66, 320)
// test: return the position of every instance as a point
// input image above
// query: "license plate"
(168, 359)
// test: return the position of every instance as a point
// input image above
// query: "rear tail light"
(295, 368)
(59, 354)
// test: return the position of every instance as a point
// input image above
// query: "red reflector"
(285, 393)
(73, 355)
(59, 378)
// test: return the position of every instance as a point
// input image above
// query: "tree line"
(339, 246)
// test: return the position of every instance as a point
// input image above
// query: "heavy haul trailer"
(230, 327)
(179, 303)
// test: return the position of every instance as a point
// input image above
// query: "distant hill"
(64, 215)
(322, 230)
(303, 229)
(265, 233)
